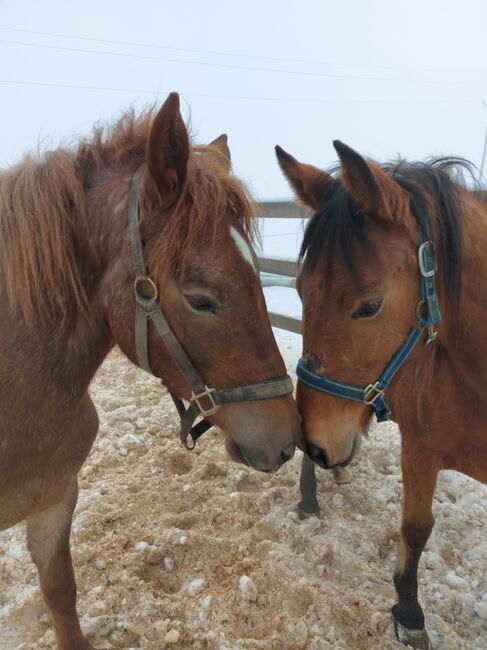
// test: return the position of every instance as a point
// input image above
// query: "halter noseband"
(374, 394)
(204, 401)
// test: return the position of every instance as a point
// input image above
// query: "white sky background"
(385, 77)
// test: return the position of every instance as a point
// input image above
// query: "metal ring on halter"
(421, 304)
(153, 287)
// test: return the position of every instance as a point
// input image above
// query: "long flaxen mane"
(44, 236)
(338, 224)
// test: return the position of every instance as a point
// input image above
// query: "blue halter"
(374, 394)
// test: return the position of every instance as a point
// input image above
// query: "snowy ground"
(163, 540)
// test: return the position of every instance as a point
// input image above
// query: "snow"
(281, 237)
(248, 590)
(283, 300)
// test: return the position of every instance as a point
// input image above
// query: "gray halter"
(204, 401)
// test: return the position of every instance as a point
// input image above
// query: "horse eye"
(367, 309)
(201, 303)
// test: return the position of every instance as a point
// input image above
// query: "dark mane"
(43, 221)
(338, 223)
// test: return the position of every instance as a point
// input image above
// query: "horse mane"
(209, 192)
(42, 234)
(338, 223)
(43, 214)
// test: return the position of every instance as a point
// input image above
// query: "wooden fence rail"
(277, 266)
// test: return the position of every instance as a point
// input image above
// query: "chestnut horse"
(387, 329)
(67, 298)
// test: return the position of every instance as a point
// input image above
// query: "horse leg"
(308, 506)
(48, 540)
(419, 476)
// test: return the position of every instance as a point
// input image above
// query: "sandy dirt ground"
(174, 549)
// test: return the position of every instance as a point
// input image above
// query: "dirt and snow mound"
(187, 550)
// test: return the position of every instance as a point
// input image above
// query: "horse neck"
(84, 340)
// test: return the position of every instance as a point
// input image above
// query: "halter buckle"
(208, 393)
(432, 333)
(428, 268)
(369, 398)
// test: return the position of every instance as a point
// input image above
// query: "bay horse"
(80, 231)
(393, 282)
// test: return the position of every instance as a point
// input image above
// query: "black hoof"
(417, 639)
(307, 510)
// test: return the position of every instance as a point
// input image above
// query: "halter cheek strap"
(204, 401)
(374, 394)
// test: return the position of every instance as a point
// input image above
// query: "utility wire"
(282, 234)
(235, 67)
(216, 52)
(48, 84)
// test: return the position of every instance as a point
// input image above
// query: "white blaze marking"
(243, 247)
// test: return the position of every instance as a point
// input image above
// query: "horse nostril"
(312, 362)
(286, 454)
(318, 455)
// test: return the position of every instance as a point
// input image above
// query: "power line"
(235, 67)
(281, 234)
(48, 84)
(217, 52)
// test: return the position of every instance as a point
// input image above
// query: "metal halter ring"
(150, 281)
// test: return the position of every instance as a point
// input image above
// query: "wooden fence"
(276, 271)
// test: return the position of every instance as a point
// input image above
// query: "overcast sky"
(385, 77)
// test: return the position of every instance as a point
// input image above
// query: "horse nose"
(318, 455)
(312, 362)
(286, 454)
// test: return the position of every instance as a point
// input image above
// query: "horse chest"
(36, 466)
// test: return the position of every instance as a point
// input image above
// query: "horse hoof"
(342, 475)
(417, 639)
(305, 511)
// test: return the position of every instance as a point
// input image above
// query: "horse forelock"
(210, 195)
(435, 189)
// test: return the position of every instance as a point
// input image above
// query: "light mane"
(43, 226)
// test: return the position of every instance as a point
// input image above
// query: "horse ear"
(372, 189)
(167, 151)
(309, 183)
(221, 145)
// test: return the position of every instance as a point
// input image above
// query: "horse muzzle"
(321, 457)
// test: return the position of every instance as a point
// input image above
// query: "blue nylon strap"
(401, 355)
(327, 385)
(365, 395)
(373, 395)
